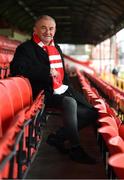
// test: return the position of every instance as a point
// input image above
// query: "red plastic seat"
(121, 131)
(108, 121)
(16, 97)
(121, 104)
(13, 93)
(6, 109)
(112, 113)
(25, 89)
(4, 66)
(108, 132)
(37, 104)
(7, 143)
(117, 163)
(116, 145)
(101, 105)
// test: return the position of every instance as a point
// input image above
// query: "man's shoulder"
(26, 47)
(26, 44)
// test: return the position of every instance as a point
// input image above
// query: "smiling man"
(41, 61)
(45, 28)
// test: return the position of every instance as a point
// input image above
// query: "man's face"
(45, 29)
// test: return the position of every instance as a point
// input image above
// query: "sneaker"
(53, 140)
(79, 155)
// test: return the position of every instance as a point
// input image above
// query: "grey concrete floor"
(51, 164)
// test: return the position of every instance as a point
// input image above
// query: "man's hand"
(54, 73)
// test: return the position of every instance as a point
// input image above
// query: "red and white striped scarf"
(55, 64)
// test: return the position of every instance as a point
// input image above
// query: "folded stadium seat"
(21, 148)
(116, 145)
(108, 121)
(35, 112)
(1, 134)
(4, 66)
(101, 106)
(5, 70)
(116, 161)
(37, 104)
(29, 138)
(117, 100)
(111, 111)
(27, 147)
(17, 94)
(13, 93)
(8, 148)
(25, 89)
(110, 92)
(93, 97)
(6, 109)
(31, 128)
(121, 130)
(2, 71)
(95, 91)
(11, 115)
(33, 135)
(121, 108)
(106, 117)
(105, 110)
(6, 154)
(106, 132)
(7, 121)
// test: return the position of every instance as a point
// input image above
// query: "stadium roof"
(78, 21)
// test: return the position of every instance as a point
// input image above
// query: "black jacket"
(31, 61)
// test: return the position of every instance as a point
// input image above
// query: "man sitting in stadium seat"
(41, 61)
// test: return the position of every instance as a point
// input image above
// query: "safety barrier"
(114, 80)
(119, 83)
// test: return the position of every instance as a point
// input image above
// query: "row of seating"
(20, 126)
(7, 49)
(110, 131)
(112, 94)
(5, 58)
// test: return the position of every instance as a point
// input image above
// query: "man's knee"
(69, 101)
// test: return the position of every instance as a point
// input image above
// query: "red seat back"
(25, 89)
(117, 163)
(13, 93)
(6, 109)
